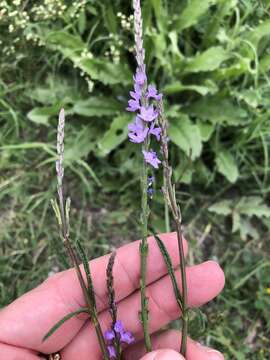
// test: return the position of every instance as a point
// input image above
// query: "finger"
(205, 281)
(28, 319)
(15, 353)
(172, 339)
(165, 354)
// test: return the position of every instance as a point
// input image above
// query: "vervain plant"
(62, 209)
(150, 122)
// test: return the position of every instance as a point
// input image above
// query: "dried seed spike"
(60, 147)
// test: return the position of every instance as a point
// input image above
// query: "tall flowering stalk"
(150, 122)
(62, 209)
(140, 132)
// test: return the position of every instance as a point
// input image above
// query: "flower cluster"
(144, 124)
(117, 335)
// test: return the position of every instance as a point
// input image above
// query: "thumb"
(165, 354)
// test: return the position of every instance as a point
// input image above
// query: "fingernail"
(213, 354)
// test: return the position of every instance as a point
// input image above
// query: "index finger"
(28, 319)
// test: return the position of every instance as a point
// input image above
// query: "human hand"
(24, 323)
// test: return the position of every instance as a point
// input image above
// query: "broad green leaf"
(116, 134)
(206, 130)
(97, 106)
(217, 110)
(65, 41)
(192, 13)
(105, 71)
(41, 115)
(81, 144)
(256, 34)
(186, 135)
(227, 166)
(209, 60)
(253, 206)
(223, 207)
(177, 87)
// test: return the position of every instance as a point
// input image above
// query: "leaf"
(223, 207)
(256, 34)
(192, 13)
(63, 320)
(186, 135)
(41, 115)
(116, 134)
(217, 110)
(68, 44)
(105, 71)
(97, 106)
(168, 262)
(253, 206)
(227, 166)
(90, 286)
(209, 60)
(206, 130)
(177, 87)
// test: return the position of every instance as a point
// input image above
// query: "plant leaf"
(223, 207)
(116, 134)
(87, 270)
(97, 106)
(209, 60)
(63, 320)
(192, 13)
(217, 110)
(41, 115)
(186, 135)
(227, 166)
(171, 273)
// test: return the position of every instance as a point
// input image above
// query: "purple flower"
(151, 158)
(152, 93)
(109, 335)
(140, 77)
(118, 327)
(112, 352)
(138, 131)
(133, 105)
(136, 94)
(155, 131)
(127, 337)
(148, 114)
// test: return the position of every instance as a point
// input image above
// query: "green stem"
(143, 254)
(75, 263)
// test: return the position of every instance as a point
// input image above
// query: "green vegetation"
(211, 58)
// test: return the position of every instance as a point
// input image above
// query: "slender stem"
(143, 254)
(64, 228)
(170, 199)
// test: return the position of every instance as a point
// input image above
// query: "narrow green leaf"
(87, 270)
(62, 321)
(227, 166)
(171, 273)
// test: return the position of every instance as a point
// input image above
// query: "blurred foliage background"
(211, 59)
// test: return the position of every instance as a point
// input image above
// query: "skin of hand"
(25, 321)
